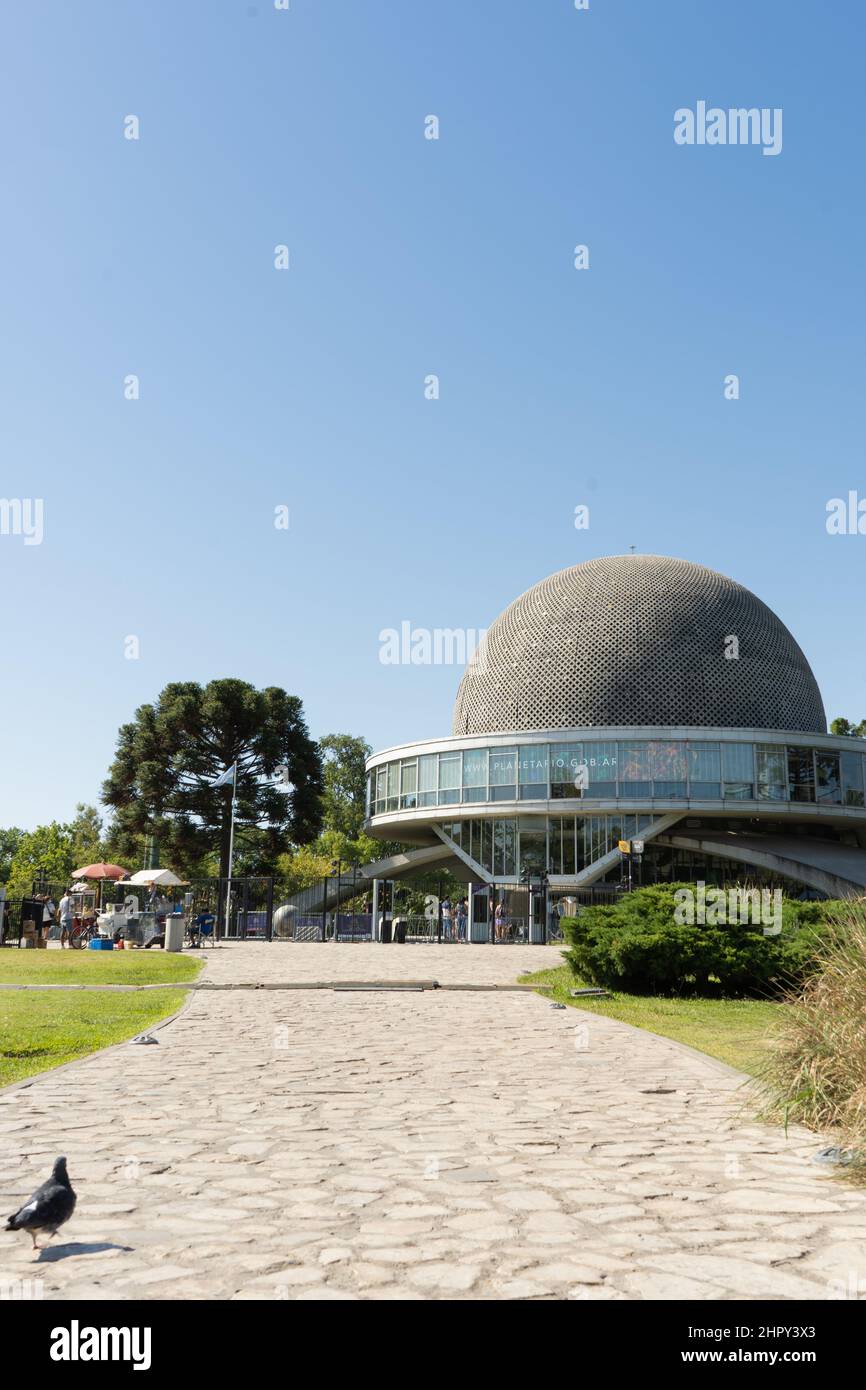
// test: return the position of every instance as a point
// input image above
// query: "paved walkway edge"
(100, 1051)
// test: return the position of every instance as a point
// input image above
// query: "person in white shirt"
(48, 911)
(67, 912)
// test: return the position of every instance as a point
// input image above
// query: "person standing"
(67, 912)
(499, 920)
(446, 919)
(460, 918)
(48, 911)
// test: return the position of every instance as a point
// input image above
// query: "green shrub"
(638, 946)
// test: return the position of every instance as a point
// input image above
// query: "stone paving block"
(426, 1145)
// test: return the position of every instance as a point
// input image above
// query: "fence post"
(269, 909)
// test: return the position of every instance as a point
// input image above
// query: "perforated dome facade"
(637, 640)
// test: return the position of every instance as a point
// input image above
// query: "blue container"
(97, 944)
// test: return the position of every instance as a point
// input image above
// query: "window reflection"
(852, 778)
(828, 778)
(738, 771)
(503, 774)
(801, 774)
(635, 769)
(772, 773)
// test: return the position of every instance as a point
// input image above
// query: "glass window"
(393, 786)
(564, 760)
(475, 774)
(554, 846)
(369, 798)
(381, 788)
(568, 861)
(486, 857)
(801, 774)
(705, 791)
(600, 760)
(533, 846)
(634, 770)
(738, 771)
(705, 763)
(667, 761)
(580, 833)
(533, 772)
(672, 791)
(509, 848)
(408, 785)
(427, 779)
(772, 772)
(449, 778)
(852, 778)
(503, 774)
(828, 778)
(498, 846)
(598, 843)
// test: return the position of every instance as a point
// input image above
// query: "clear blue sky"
(408, 257)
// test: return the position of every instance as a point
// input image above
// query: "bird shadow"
(50, 1254)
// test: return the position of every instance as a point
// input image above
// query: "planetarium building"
(628, 698)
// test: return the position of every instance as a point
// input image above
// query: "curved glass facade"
(560, 844)
(637, 770)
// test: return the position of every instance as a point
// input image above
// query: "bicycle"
(81, 934)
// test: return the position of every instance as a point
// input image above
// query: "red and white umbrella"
(100, 871)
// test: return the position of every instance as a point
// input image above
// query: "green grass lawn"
(39, 1031)
(95, 967)
(737, 1031)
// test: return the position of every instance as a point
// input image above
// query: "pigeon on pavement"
(51, 1205)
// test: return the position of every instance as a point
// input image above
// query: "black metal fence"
(243, 908)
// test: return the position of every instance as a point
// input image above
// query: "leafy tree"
(48, 849)
(55, 850)
(843, 728)
(344, 798)
(9, 842)
(86, 834)
(159, 782)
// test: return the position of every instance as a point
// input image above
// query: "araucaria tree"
(159, 782)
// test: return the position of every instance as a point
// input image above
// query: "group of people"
(456, 915)
(74, 917)
(454, 919)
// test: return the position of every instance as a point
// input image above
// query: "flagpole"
(231, 845)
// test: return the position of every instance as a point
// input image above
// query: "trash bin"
(400, 925)
(385, 929)
(174, 929)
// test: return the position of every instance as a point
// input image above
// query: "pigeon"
(49, 1208)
